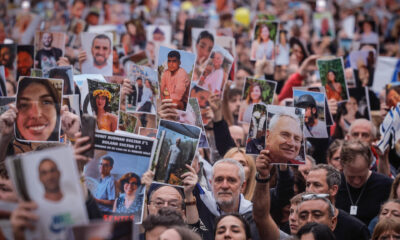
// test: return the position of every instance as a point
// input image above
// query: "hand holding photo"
(175, 68)
(177, 144)
(332, 76)
(285, 140)
(39, 109)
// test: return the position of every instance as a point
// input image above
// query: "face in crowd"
(101, 50)
(49, 176)
(163, 197)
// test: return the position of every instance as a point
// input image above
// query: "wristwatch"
(262, 180)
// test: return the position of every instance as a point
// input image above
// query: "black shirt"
(48, 58)
(376, 192)
(350, 228)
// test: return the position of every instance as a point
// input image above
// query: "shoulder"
(380, 179)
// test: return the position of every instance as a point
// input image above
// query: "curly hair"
(125, 179)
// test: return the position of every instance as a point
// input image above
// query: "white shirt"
(175, 151)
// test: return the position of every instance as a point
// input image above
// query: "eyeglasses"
(159, 203)
(104, 164)
(311, 196)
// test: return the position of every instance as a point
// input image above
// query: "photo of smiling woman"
(105, 119)
(38, 104)
(131, 194)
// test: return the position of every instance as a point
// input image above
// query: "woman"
(214, 81)
(282, 57)
(249, 166)
(389, 210)
(105, 120)
(38, 104)
(254, 96)
(128, 201)
(146, 101)
(333, 154)
(263, 47)
(204, 46)
(386, 229)
(315, 231)
(333, 89)
(225, 225)
(395, 190)
(298, 53)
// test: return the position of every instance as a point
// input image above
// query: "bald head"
(363, 130)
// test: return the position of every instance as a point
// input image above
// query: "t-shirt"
(350, 228)
(48, 58)
(376, 192)
(317, 131)
(56, 216)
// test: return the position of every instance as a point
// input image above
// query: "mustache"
(225, 192)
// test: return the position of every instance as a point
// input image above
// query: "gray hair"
(331, 208)
(234, 162)
(275, 119)
(374, 130)
(332, 174)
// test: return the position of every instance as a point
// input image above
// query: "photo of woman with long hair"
(333, 88)
(253, 97)
(262, 46)
(105, 119)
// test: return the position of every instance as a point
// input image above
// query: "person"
(333, 89)
(49, 176)
(101, 50)
(172, 159)
(315, 231)
(214, 81)
(386, 229)
(61, 73)
(254, 96)
(204, 45)
(389, 210)
(231, 105)
(38, 104)
(47, 56)
(316, 208)
(158, 35)
(284, 138)
(314, 126)
(155, 224)
(131, 197)
(105, 120)
(368, 35)
(325, 179)
(263, 46)
(232, 226)
(145, 103)
(24, 61)
(283, 50)
(175, 81)
(247, 162)
(77, 8)
(333, 154)
(105, 192)
(179, 233)
(361, 191)
(256, 138)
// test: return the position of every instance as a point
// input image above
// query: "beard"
(101, 62)
(310, 121)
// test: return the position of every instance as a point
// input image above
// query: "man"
(314, 127)
(155, 224)
(77, 8)
(105, 193)
(227, 182)
(284, 138)
(48, 56)
(24, 61)
(49, 176)
(175, 81)
(316, 208)
(173, 158)
(234, 100)
(325, 179)
(362, 191)
(101, 50)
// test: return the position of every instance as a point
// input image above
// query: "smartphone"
(88, 129)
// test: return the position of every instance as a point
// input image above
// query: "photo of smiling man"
(38, 104)
(96, 57)
(284, 140)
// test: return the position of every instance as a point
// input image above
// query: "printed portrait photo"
(255, 91)
(285, 139)
(8, 59)
(257, 130)
(159, 34)
(332, 76)
(216, 71)
(363, 64)
(98, 48)
(202, 44)
(49, 47)
(202, 97)
(282, 49)
(145, 120)
(314, 116)
(323, 25)
(264, 37)
(175, 69)
(39, 105)
(144, 84)
(177, 144)
(102, 100)
(25, 60)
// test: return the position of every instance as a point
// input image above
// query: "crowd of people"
(347, 186)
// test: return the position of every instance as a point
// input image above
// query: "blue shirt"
(106, 191)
